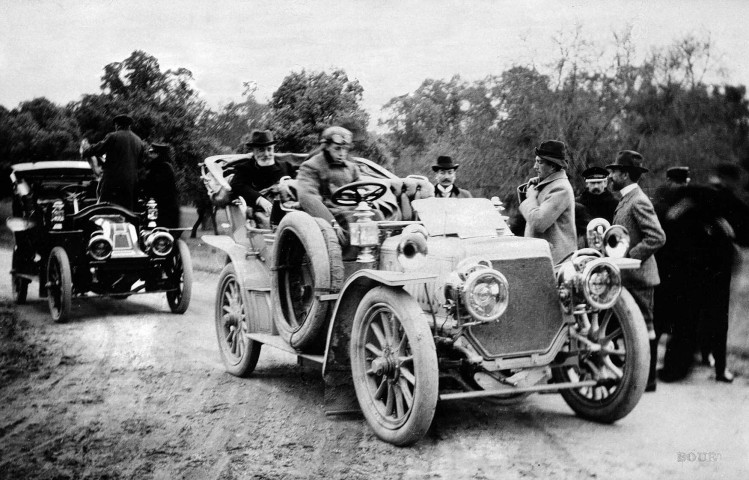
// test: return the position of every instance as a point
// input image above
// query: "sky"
(58, 49)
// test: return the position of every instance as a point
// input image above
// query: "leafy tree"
(307, 102)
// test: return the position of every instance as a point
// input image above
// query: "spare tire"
(306, 264)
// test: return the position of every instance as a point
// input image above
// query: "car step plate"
(277, 342)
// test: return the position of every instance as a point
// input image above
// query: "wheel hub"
(386, 365)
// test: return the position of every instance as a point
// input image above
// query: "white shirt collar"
(628, 189)
(444, 190)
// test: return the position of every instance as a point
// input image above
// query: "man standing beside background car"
(549, 205)
(124, 151)
(635, 212)
(160, 183)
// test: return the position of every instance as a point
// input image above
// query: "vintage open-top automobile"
(442, 305)
(73, 245)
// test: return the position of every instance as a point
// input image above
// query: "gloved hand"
(263, 203)
(340, 233)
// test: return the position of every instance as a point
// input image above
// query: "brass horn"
(616, 241)
(594, 233)
(412, 249)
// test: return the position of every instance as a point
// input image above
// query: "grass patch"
(17, 356)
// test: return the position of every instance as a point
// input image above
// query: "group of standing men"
(117, 160)
(688, 297)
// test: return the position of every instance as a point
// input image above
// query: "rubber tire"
(60, 313)
(425, 370)
(20, 287)
(321, 247)
(179, 302)
(229, 290)
(636, 369)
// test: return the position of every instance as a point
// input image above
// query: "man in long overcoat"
(124, 151)
(549, 206)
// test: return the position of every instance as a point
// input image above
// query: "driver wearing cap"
(323, 174)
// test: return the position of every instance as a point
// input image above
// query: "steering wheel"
(356, 192)
(74, 190)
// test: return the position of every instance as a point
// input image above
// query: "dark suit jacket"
(454, 193)
(635, 212)
(250, 178)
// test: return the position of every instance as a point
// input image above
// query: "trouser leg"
(717, 316)
(644, 299)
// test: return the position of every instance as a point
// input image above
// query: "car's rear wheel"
(394, 366)
(620, 365)
(238, 352)
(20, 289)
(307, 262)
(180, 270)
(59, 285)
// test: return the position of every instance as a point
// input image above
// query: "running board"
(277, 342)
(511, 391)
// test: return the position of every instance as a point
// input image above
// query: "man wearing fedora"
(252, 180)
(549, 205)
(636, 213)
(124, 150)
(160, 183)
(445, 187)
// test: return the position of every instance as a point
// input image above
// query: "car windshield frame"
(464, 217)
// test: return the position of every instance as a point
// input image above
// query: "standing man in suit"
(635, 212)
(595, 202)
(712, 219)
(549, 204)
(444, 171)
(673, 304)
(124, 151)
(160, 183)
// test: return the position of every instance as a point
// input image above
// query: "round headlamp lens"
(100, 248)
(602, 284)
(486, 294)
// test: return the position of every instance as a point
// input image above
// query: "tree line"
(598, 100)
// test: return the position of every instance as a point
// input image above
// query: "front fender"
(339, 329)
(252, 272)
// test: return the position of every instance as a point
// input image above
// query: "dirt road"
(127, 390)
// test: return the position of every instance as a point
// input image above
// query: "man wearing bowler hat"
(124, 150)
(549, 205)
(253, 181)
(445, 187)
(635, 212)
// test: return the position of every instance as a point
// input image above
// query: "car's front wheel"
(394, 366)
(238, 352)
(180, 270)
(59, 285)
(619, 362)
